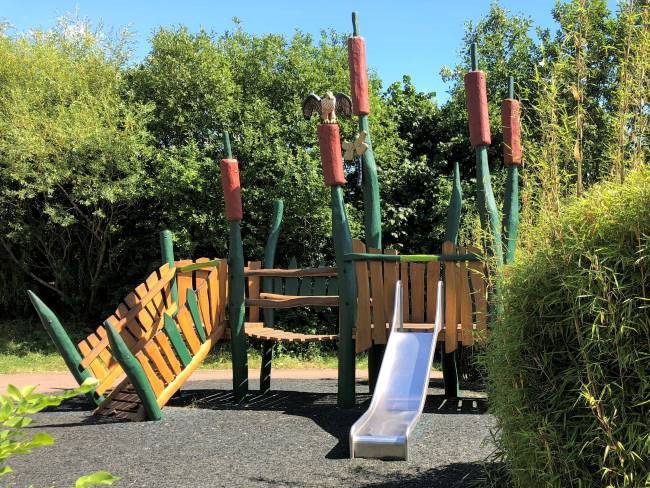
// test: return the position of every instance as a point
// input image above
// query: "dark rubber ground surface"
(292, 437)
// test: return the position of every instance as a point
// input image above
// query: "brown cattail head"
(510, 121)
(358, 75)
(477, 108)
(329, 141)
(231, 189)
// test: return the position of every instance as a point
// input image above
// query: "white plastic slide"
(383, 431)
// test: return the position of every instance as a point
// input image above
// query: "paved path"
(292, 437)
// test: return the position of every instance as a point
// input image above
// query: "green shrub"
(569, 362)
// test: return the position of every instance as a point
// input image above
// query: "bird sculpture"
(327, 106)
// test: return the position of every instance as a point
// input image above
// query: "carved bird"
(327, 106)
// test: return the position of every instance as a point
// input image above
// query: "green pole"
(347, 304)
(267, 286)
(511, 199)
(371, 218)
(63, 343)
(167, 251)
(454, 213)
(236, 303)
(134, 372)
(487, 206)
(269, 254)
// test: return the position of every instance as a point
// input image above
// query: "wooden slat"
(94, 339)
(291, 283)
(201, 275)
(183, 282)
(213, 297)
(186, 324)
(332, 286)
(223, 290)
(451, 307)
(406, 288)
(155, 382)
(377, 295)
(479, 295)
(126, 316)
(363, 325)
(292, 273)
(156, 305)
(465, 303)
(192, 304)
(417, 291)
(391, 275)
(272, 300)
(433, 276)
(204, 306)
(254, 291)
(174, 335)
(270, 334)
(168, 352)
(128, 313)
(97, 367)
(154, 355)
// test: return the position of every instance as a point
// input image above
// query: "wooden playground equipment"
(164, 329)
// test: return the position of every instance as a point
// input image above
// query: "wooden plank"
(168, 352)
(364, 319)
(204, 307)
(201, 275)
(183, 282)
(404, 277)
(332, 286)
(391, 275)
(293, 273)
(153, 353)
(143, 318)
(272, 300)
(186, 324)
(479, 291)
(254, 291)
(433, 276)
(192, 304)
(106, 357)
(451, 307)
(171, 329)
(223, 290)
(417, 291)
(465, 299)
(213, 297)
(377, 295)
(291, 283)
(156, 305)
(128, 315)
(97, 367)
(155, 382)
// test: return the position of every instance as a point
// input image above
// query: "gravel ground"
(292, 437)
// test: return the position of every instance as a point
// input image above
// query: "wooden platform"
(256, 330)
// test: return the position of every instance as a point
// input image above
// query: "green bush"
(569, 375)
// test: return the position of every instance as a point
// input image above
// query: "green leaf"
(98, 478)
(14, 393)
(5, 470)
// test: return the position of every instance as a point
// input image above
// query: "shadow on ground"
(321, 408)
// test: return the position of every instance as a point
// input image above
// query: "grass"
(26, 348)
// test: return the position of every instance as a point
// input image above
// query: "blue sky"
(408, 36)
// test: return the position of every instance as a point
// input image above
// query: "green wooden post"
(348, 298)
(167, 251)
(236, 303)
(269, 255)
(134, 372)
(371, 218)
(454, 213)
(193, 305)
(511, 199)
(267, 286)
(63, 343)
(488, 213)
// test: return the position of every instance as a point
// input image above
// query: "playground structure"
(146, 350)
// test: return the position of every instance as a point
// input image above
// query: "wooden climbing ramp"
(182, 338)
